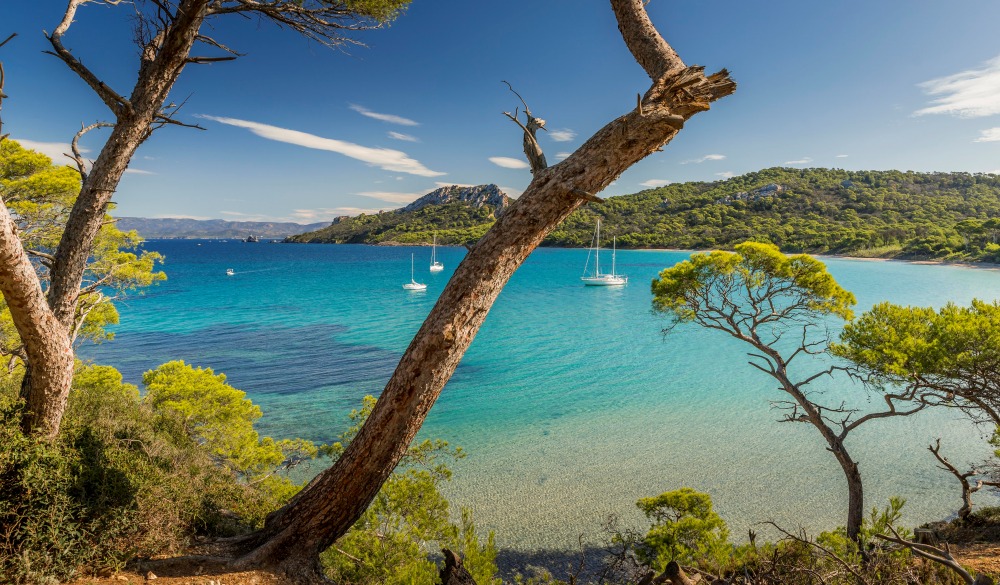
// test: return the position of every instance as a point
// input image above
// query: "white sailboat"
(435, 265)
(413, 284)
(598, 279)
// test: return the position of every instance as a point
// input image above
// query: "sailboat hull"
(604, 280)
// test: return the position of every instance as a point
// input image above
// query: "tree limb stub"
(323, 511)
(532, 150)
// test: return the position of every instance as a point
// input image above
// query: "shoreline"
(922, 261)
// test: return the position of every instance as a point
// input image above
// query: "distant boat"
(598, 279)
(413, 284)
(435, 265)
(252, 239)
(230, 272)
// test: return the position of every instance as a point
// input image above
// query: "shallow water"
(571, 403)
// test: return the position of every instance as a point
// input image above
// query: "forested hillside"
(863, 213)
(879, 213)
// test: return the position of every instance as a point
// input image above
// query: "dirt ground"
(208, 578)
(980, 557)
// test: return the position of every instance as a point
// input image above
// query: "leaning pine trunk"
(293, 537)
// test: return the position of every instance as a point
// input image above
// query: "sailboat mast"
(614, 250)
(597, 251)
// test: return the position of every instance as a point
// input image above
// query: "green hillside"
(864, 213)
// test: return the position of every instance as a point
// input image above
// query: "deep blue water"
(571, 402)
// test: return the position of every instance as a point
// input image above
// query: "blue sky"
(298, 132)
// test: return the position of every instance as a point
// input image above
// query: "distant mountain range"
(454, 214)
(213, 228)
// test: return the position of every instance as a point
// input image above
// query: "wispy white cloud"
(989, 135)
(138, 172)
(392, 196)
(725, 174)
(968, 94)
(564, 135)
(842, 156)
(802, 161)
(512, 192)
(53, 150)
(508, 163)
(385, 158)
(404, 137)
(705, 158)
(655, 183)
(390, 118)
(562, 155)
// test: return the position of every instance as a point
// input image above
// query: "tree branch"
(938, 555)
(81, 164)
(112, 99)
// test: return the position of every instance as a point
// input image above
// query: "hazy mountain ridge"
(182, 228)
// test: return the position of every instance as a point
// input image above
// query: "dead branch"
(963, 478)
(110, 97)
(81, 164)
(2, 78)
(941, 555)
(847, 566)
(532, 150)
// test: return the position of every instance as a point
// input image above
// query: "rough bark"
(46, 341)
(453, 573)
(162, 62)
(49, 367)
(334, 500)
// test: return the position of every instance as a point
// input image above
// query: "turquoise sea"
(571, 402)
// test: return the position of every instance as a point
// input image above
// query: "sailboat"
(413, 284)
(435, 265)
(598, 279)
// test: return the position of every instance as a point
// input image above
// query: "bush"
(123, 479)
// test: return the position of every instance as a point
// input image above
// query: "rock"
(150, 576)
(477, 196)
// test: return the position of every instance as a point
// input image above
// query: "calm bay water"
(570, 403)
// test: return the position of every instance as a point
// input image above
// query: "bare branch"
(2, 79)
(532, 150)
(112, 99)
(823, 549)
(941, 555)
(81, 164)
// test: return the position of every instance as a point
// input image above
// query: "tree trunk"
(46, 341)
(855, 490)
(293, 536)
(49, 368)
(835, 444)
